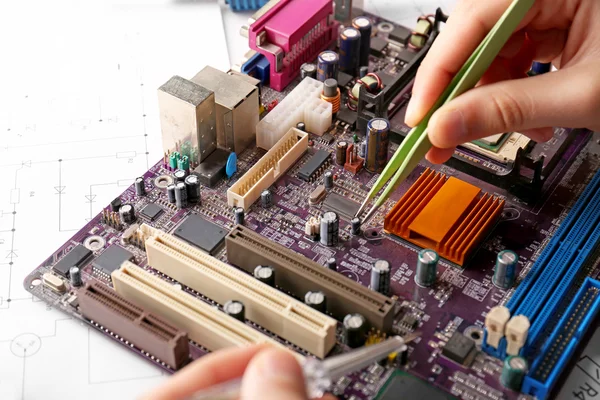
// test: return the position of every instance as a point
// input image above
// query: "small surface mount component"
(444, 214)
(151, 211)
(410, 388)
(341, 205)
(201, 233)
(111, 259)
(74, 258)
(460, 349)
(149, 333)
(315, 164)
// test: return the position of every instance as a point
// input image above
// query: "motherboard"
(247, 230)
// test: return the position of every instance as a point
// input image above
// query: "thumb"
(273, 375)
(521, 105)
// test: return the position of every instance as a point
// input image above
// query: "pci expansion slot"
(266, 306)
(298, 275)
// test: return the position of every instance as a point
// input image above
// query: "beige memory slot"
(206, 325)
(266, 306)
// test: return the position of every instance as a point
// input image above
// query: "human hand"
(268, 374)
(565, 32)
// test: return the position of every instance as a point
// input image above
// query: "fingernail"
(449, 124)
(411, 111)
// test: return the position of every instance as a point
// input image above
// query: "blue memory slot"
(563, 341)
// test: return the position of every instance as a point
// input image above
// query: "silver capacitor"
(266, 198)
(180, 175)
(316, 300)
(75, 277)
(265, 274)
(426, 273)
(171, 193)
(506, 268)
(180, 195)
(328, 179)
(331, 264)
(355, 226)
(192, 185)
(239, 215)
(235, 309)
(381, 276)
(308, 70)
(140, 186)
(127, 213)
(330, 226)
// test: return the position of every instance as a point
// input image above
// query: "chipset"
(198, 232)
(445, 214)
(110, 260)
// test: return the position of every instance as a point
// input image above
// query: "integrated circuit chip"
(151, 211)
(73, 258)
(313, 165)
(459, 348)
(343, 79)
(407, 55)
(409, 387)
(111, 259)
(400, 34)
(344, 207)
(378, 45)
(201, 233)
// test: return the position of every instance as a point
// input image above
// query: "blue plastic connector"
(246, 5)
(258, 67)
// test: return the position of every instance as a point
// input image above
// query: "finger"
(209, 370)
(464, 31)
(273, 375)
(549, 44)
(540, 135)
(438, 156)
(553, 99)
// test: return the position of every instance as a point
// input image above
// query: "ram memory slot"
(297, 275)
(129, 322)
(266, 306)
(205, 324)
(563, 341)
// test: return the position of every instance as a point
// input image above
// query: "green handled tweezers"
(416, 144)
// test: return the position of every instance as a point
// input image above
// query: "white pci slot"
(266, 306)
(268, 169)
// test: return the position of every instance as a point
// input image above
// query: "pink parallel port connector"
(290, 33)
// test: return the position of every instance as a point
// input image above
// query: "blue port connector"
(246, 5)
(563, 341)
(258, 67)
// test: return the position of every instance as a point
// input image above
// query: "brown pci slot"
(104, 307)
(297, 275)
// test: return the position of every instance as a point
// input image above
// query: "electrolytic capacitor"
(355, 330)
(265, 274)
(179, 175)
(316, 300)
(329, 232)
(327, 65)
(308, 70)
(355, 226)
(192, 184)
(364, 26)
(505, 270)
(266, 198)
(239, 215)
(380, 276)
(180, 195)
(235, 309)
(362, 149)
(328, 179)
(171, 193)
(75, 276)
(331, 264)
(350, 51)
(127, 213)
(376, 153)
(140, 186)
(426, 273)
(340, 152)
(301, 126)
(513, 372)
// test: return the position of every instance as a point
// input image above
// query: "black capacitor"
(127, 213)
(239, 215)
(115, 204)
(265, 274)
(180, 175)
(181, 200)
(332, 264)
(355, 330)
(330, 226)
(235, 309)
(380, 276)
(308, 70)
(301, 126)
(140, 186)
(350, 50)
(355, 225)
(266, 198)
(75, 277)
(328, 179)
(377, 144)
(340, 152)
(171, 193)
(316, 300)
(364, 26)
(192, 185)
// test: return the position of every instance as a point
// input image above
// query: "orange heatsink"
(444, 214)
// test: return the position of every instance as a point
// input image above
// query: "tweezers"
(416, 144)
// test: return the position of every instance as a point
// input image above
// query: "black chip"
(341, 205)
(312, 166)
(212, 169)
(73, 258)
(405, 386)
(201, 233)
(459, 348)
(111, 259)
(407, 55)
(378, 45)
(348, 116)
(151, 211)
(401, 35)
(344, 79)
(115, 204)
